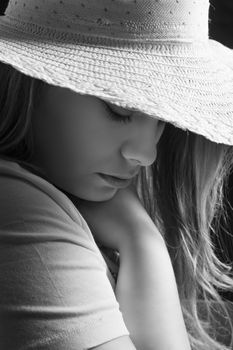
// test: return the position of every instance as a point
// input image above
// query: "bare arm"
(146, 288)
(147, 293)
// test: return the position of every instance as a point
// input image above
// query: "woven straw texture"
(159, 62)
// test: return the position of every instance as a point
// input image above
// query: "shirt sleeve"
(55, 293)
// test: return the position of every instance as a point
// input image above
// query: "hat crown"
(182, 20)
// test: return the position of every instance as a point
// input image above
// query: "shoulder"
(50, 258)
(29, 199)
(22, 190)
(33, 211)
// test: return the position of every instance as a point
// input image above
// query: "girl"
(116, 145)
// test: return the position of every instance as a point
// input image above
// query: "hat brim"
(187, 84)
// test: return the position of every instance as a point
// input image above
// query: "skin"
(75, 138)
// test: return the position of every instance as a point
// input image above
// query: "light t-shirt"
(56, 288)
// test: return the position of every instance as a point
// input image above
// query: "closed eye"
(116, 116)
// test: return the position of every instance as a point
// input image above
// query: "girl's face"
(76, 137)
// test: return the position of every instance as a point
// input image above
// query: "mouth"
(119, 178)
(116, 181)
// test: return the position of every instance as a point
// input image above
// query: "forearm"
(147, 293)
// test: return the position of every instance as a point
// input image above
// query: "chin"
(99, 196)
(90, 193)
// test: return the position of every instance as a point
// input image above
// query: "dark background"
(220, 29)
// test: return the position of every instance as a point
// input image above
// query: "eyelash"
(117, 117)
(121, 118)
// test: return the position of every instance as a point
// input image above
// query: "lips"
(123, 177)
(116, 181)
(120, 178)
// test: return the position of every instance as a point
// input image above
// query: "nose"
(140, 144)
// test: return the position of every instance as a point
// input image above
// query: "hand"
(114, 221)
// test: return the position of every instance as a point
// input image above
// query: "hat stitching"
(161, 50)
(54, 34)
(130, 25)
(173, 83)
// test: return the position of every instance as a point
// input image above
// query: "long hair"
(19, 96)
(182, 192)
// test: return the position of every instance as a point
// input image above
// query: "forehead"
(54, 90)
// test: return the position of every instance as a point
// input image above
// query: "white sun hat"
(152, 56)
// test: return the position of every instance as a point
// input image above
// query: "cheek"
(83, 143)
(73, 138)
